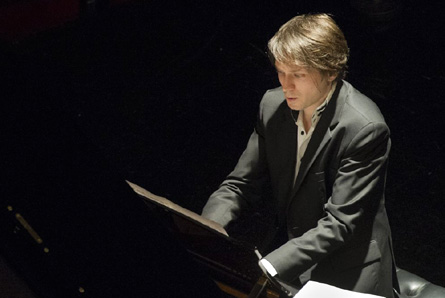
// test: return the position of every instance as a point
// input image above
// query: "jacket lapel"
(287, 150)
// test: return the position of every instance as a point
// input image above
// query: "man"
(323, 148)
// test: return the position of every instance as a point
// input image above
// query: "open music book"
(229, 259)
(163, 202)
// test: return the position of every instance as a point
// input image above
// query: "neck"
(307, 120)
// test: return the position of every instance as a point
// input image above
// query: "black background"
(165, 94)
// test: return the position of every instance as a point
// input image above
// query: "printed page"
(315, 289)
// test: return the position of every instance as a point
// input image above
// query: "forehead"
(291, 67)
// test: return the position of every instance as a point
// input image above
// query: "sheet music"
(315, 289)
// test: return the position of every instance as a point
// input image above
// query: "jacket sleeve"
(357, 192)
(243, 186)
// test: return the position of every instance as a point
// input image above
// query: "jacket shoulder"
(273, 98)
(360, 107)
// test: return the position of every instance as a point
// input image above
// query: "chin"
(293, 107)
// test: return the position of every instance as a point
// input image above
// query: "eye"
(299, 75)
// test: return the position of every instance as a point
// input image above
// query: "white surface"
(319, 290)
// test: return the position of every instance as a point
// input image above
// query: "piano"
(71, 226)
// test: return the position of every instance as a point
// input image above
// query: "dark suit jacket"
(334, 215)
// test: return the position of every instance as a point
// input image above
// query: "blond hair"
(311, 40)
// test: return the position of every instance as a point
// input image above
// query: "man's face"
(304, 88)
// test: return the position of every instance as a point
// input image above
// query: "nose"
(287, 83)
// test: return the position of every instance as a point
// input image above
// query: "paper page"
(319, 290)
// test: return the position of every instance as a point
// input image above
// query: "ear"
(331, 77)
